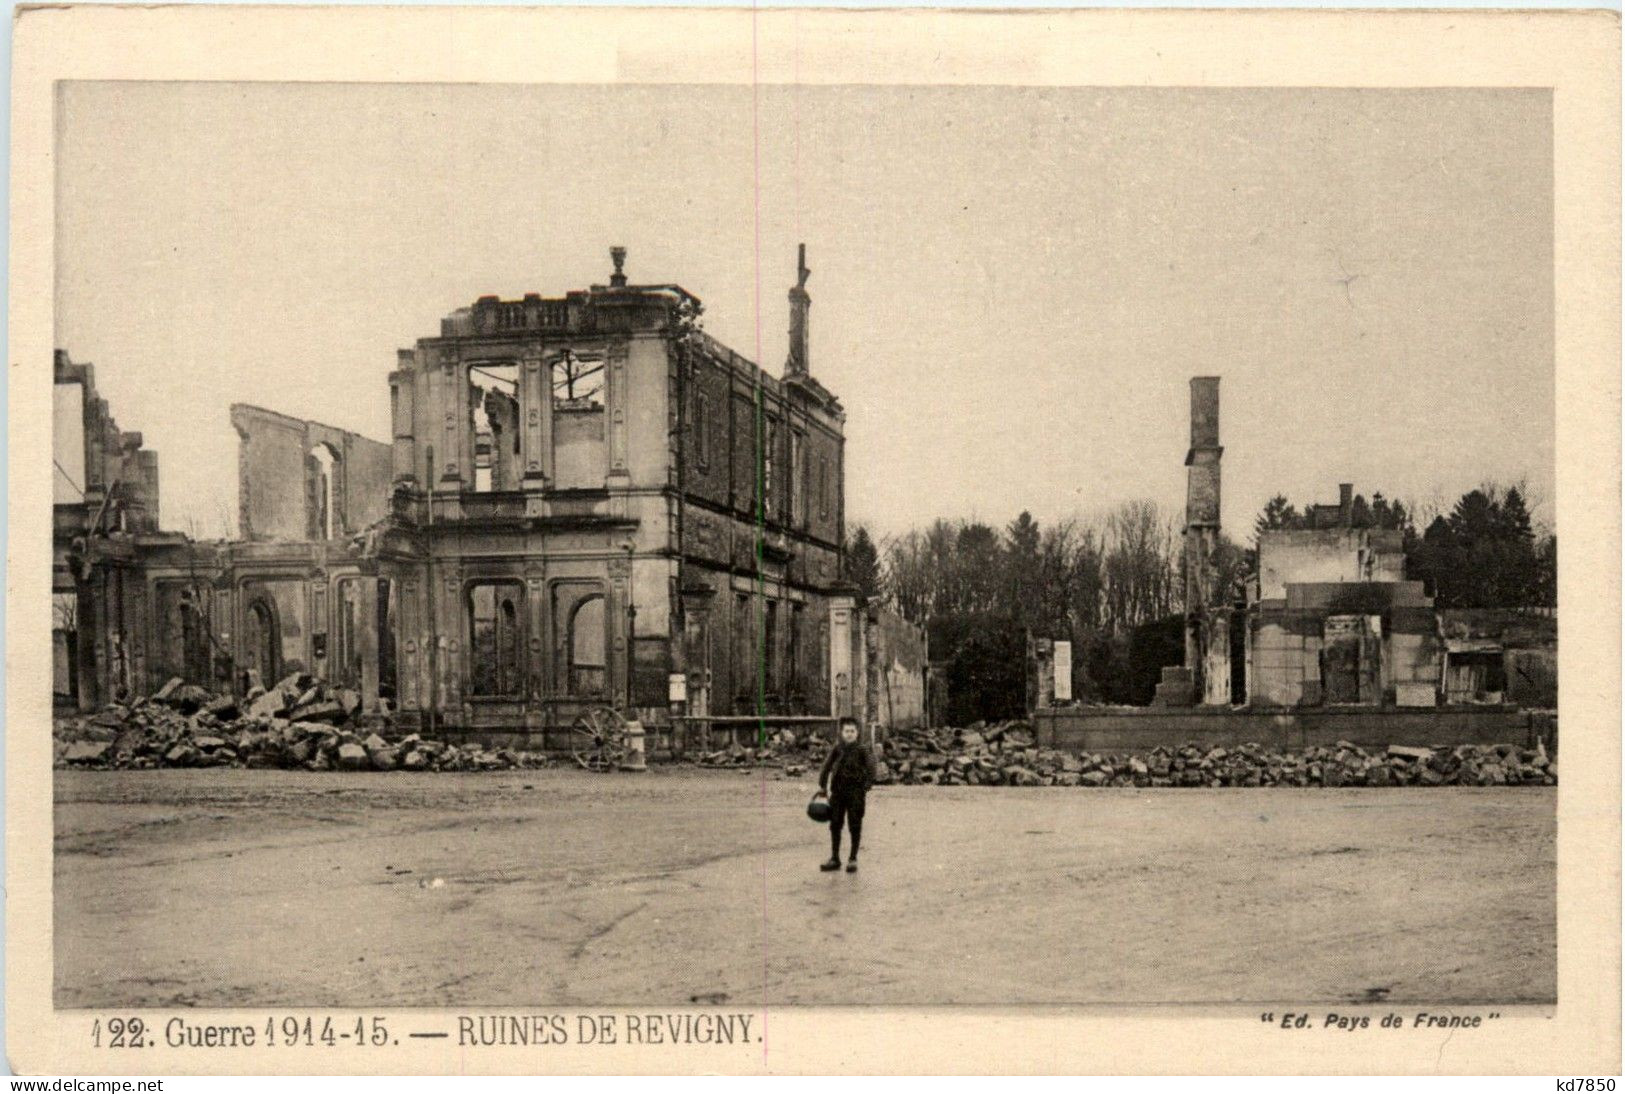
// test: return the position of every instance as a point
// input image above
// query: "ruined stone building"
(104, 520)
(1328, 618)
(585, 500)
(591, 496)
(1333, 620)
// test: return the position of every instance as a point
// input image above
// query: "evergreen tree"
(1022, 568)
(863, 565)
(1278, 515)
(1360, 513)
(1483, 555)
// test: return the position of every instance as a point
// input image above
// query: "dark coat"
(848, 769)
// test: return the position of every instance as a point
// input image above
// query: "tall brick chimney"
(798, 364)
(1201, 512)
(1345, 503)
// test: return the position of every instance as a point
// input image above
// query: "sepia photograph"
(700, 548)
(501, 551)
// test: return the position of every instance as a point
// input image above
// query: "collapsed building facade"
(585, 501)
(1328, 617)
(1323, 641)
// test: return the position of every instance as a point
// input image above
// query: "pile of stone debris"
(1005, 755)
(302, 722)
(784, 748)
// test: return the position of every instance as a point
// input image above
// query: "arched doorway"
(263, 641)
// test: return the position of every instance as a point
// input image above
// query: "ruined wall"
(1107, 730)
(726, 432)
(68, 442)
(98, 465)
(1290, 655)
(1329, 555)
(1526, 641)
(1285, 661)
(274, 488)
(580, 457)
(899, 663)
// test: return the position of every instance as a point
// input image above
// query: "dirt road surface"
(260, 888)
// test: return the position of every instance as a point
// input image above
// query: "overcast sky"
(1011, 287)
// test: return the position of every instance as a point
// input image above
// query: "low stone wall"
(1123, 729)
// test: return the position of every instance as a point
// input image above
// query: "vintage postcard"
(781, 541)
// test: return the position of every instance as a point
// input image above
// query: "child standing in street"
(848, 773)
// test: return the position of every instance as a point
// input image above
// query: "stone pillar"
(617, 404)
(842, 680)
(368, 638)
(451, 405)
(1216, 663)
(401, 404)
(536, 413)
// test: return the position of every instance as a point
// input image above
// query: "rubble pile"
(300, 723)
(1005, 755)
(782, 748)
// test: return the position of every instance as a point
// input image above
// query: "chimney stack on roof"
(797, 364)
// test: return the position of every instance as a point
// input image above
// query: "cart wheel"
(598, 739)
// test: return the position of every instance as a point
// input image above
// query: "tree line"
(981, 590)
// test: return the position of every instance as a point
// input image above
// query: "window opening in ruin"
(744, 660)
(578, 382)
(770, 647)
(495, 640)
(580, 639)
(588, 672)
(580, 441)
(823, 487)
(65, 646)
(321, 464)
(1475, 677)
(194, 642)
(1238, 658)
(386, 640)
(702, 430)
(792, 671)
(770, 451)
(493, 411)
(798, 474)
(347, 626)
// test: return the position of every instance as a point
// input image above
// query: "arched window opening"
(580, 639)
(321, 472)
(588, 671)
